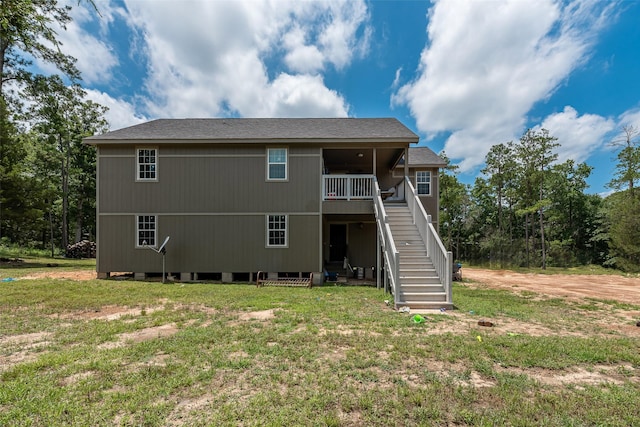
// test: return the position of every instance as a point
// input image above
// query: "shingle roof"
(424, 156)
(253, 130)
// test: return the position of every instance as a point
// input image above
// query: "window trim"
(268, 230)
(138, 164)
(286, 165)
(155, 231)
(423, 182)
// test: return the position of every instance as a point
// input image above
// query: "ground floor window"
(146, 227)
(276, 230)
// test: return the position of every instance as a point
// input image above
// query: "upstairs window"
(277, 164)
(146, 226)
(276, 230)
(423, 183)
(147, 164)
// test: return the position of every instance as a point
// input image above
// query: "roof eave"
(96, 140)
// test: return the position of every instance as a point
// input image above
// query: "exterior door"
(337, 242)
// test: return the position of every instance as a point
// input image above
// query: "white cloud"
(396, 79)
(121, 113)
(488, 63)
(301, 57)
(95, 59)
(208, 58)
(631, 118)
(578, 136)
(302, 96)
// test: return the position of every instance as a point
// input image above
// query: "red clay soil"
(605, 287)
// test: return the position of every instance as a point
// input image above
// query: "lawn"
(124, 352)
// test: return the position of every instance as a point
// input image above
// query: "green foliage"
(454, 202)
(527, 210)
(624, 233)
(47, 177)
(627, 171)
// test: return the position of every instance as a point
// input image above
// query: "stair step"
(413, 257)
(413, 273)
(420, 281)
(413, 298)
(424, 305)
(421, 289)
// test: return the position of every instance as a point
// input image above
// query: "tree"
(624, 206)
(27, 30)
(627, 171)
(61, 118)
(500, 170)
(26, 27)
(534, 153)
(453, 207)
(21, 198)
(571, 214)
(624, 231)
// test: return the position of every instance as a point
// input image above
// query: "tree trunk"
(526, 236)
(65, 201)
(544, 252)
(51, 229)
(78, 233)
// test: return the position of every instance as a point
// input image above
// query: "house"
(287, 197)
(424, 166)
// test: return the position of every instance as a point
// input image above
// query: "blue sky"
(464, 75)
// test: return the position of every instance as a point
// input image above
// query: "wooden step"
(416, 297)
(423, 305)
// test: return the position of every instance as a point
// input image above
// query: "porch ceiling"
(348, 159)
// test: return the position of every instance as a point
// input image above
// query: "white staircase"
(419, 284)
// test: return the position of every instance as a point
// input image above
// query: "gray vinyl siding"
(212, 181)
(212, 201)
(347, 207)
(430, 203)
(213, 243)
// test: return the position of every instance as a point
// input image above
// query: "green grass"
(190, 354)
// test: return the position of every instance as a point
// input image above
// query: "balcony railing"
(348, 187)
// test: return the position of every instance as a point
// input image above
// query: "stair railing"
(389, 252)
(441, 258)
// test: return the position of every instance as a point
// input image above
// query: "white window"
(277, 164)
(146, 226)
(276, 230)
(147, 164)
(423, 183)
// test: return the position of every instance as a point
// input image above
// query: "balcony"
(348, 187)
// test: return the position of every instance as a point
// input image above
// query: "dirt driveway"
(606, 287)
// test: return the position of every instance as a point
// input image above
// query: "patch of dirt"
(78, 275)
(22, 348)
(605, 287)
(141, 335)
(75, 378)
(606, 374)
(258, 315)
(181, 414)
(109, 313)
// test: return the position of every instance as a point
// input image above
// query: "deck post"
(378, 271)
